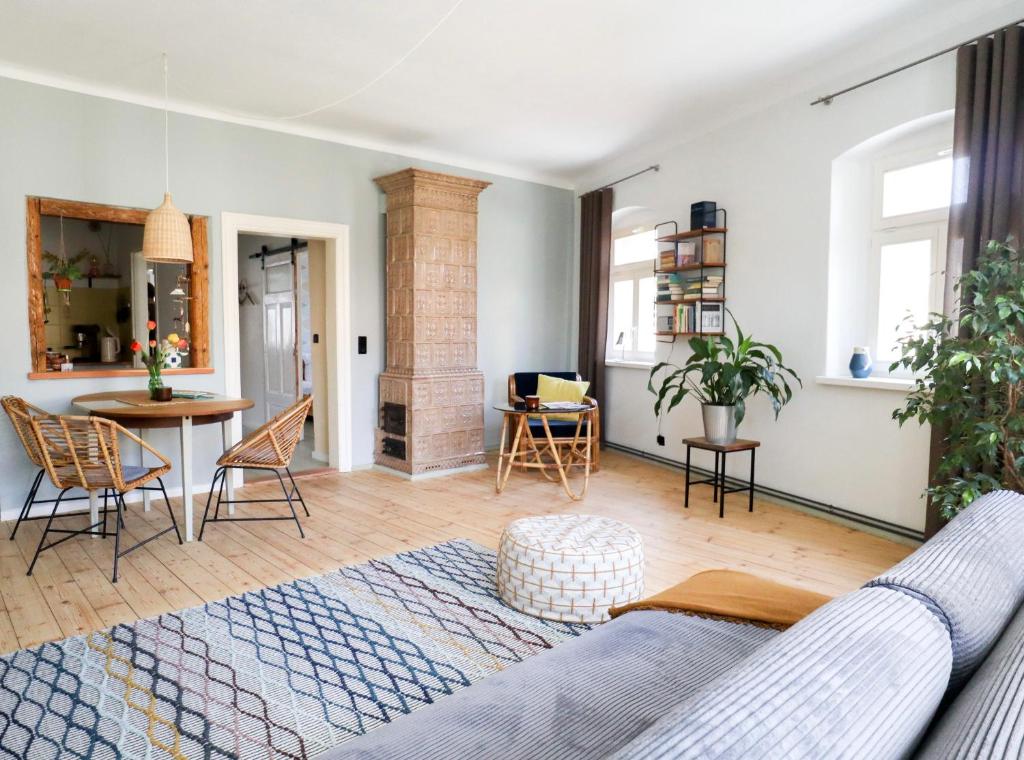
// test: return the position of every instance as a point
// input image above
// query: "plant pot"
(719, 423)
(61, 282)
(163, 393)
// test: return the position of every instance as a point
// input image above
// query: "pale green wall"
(65, 145)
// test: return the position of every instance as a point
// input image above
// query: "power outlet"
(661, 439)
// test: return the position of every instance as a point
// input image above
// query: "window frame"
(635, 272)
(930, 224)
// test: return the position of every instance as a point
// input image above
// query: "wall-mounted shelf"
(690, 234)
(692, 260)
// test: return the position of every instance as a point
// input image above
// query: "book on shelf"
(714, 252)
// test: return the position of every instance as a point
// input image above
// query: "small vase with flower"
(154, 356)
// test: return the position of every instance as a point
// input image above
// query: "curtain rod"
(651, 168)
(827, 99)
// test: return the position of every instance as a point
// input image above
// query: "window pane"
(904, 288)
(633, 248)
(621, 337)
(921, 187)
(647, 315)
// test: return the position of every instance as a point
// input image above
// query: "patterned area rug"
(285, 672)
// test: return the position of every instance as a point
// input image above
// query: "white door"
(279, 336)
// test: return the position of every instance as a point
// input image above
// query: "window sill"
(901, 384)
(94, 373)
(628, 364)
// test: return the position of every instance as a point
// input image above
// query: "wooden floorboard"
(367, 514)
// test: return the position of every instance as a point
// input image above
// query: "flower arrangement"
(155, 355)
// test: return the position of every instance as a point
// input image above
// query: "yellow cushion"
(556, 389)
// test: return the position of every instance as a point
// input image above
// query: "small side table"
(718, 481)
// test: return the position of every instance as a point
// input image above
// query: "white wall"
(66, 145)
(771, 171)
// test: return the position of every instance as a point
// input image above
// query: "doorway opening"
(281, 321)
(286, 330)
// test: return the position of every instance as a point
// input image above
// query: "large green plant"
(969, 382)
(724, 372)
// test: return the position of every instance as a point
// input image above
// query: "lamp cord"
(167, 149)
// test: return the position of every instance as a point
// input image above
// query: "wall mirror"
(91, 292)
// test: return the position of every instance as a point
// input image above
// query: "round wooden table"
(134, 409)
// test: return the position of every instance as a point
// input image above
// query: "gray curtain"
(988, 167)
(595, 259)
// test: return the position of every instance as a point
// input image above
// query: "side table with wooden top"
(717, 482)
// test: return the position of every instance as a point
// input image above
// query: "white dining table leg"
(94, 512)
(142, 463)
(229, 477)
(186, 474)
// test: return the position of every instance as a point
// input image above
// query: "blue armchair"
(523, 384)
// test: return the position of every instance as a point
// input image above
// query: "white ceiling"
(543, 89)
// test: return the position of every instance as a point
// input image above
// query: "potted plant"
(63, 270)
(722, 374)
(155, 357)
(969, 382)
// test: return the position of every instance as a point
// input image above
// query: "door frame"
(338, 333)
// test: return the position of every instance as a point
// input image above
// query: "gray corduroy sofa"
(926, 660)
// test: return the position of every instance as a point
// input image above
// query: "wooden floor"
(368, 514)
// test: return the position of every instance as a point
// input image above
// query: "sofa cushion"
(857, 678)
(970, 574)
(582, 699)
(984, 720)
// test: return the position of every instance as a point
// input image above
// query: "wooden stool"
(718, 481)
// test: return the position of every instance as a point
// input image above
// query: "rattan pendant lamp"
(167, 237)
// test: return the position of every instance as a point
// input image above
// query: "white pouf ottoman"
(569, 568)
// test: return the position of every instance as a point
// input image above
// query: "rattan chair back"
(85, 452)
(21, 413)
(271, 446)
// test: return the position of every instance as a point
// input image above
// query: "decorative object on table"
(89, 457)
(860, 362)
(722, 373)
(563, 428)
(63, 269)
(569, 568)
(155, 359)
(532, 403)
(411, 628)
(983, 429)
(167, 237)
(717, 480)
(269, 447)
(702, 214)
(94, 265)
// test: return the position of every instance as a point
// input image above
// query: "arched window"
(890, 211)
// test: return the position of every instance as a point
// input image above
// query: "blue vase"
(860, 362)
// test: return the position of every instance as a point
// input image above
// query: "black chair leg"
(117, 533)
(220, 494)
(297, 492)
(291, 506)
(29, 501)
(42, 539)
(209, 497)
(170, 511)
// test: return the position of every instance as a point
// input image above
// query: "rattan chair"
(20, 413)
(85, 452)
(269, 447)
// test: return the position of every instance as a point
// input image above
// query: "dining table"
(135, 410)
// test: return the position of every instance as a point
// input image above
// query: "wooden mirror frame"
(198, 272)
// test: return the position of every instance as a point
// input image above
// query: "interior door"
(279, 327)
